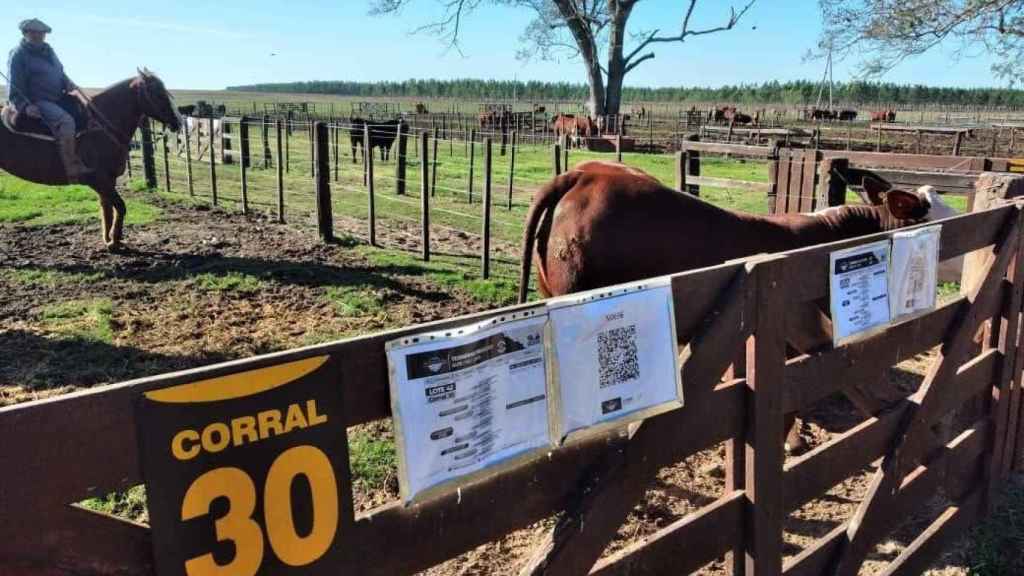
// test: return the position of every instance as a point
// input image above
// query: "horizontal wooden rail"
(811, 378)
(960, 234)
(746, 185)
(730, 149)
(956, 467)
(685, 545)
(814, 473)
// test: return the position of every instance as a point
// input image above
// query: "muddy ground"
(201, 286)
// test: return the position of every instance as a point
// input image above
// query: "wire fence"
(389, 187)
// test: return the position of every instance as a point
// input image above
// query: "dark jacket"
(35, 74)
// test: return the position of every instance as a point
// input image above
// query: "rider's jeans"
(57, 119)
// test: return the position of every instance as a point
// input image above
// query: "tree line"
(799, 92)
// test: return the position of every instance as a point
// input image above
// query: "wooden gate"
(805, 181)
(740, 314)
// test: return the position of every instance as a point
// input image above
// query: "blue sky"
(210, 45)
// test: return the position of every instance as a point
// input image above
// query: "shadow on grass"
(46, 363)
(158, 267)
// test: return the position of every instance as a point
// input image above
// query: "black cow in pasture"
(382, 135)
(847, 115)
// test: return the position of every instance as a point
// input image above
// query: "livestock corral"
(660, 125)
(294, 237)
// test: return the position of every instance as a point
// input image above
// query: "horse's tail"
(544, 200)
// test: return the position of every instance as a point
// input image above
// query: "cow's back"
(614, 226)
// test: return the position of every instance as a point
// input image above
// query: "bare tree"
(580, 29)
(884, 33)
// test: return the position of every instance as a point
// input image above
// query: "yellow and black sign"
(246, 473)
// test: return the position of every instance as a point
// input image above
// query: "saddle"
(25, 125)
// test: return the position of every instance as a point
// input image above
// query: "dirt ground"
(172, 302)
(202, 286)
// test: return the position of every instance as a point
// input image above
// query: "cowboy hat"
(34, 25)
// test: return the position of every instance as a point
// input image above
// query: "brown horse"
(123, 107)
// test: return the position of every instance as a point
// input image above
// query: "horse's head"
(155, 101)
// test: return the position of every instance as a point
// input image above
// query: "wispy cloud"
(140, 24)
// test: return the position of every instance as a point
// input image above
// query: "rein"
(106, 125)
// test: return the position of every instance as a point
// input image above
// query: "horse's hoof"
(115, 247)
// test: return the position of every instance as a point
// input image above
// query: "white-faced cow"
(603, 223)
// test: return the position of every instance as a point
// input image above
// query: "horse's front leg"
(113, 212)
(106, 215)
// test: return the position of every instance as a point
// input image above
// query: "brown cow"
(612, 223)
(883, 115)
(574, 128)
(603, 223)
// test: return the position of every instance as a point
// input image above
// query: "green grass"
(129, 504)
(228, 282)
(448, 273)
(36, 205)
(373, 459)
(39, 278)
(85, 319)
(355, 300)
(996, 544)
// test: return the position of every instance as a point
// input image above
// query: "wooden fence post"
(618, 147)
(243, 134)
(691, 165)
(280, 172)
(557, 164)
(226, 156)
(831, 183)
(288, 144)
(311, 131)
(486, 256)
(773, 176)
(403, 138)
(167, 164)
(213, 162)
(424, 196)
(265, 138)
(324, 216)
(188, 159)
(472, 161)
(766, 358)
(368, 175)
(128, 156)
(148, 161)
(681, 171)
(433, 165)
(512, 167)
(336, 137)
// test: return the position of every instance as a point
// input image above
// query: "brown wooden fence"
(62, 450)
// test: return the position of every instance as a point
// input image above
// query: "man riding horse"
(37, 84)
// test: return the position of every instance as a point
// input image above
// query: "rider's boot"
(73, 166)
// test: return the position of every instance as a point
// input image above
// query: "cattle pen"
(733, 325)
(427, 197)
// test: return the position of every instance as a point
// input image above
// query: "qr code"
(616, 356)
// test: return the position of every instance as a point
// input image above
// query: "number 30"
(238, 526)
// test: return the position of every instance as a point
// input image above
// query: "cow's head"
(923, 205)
